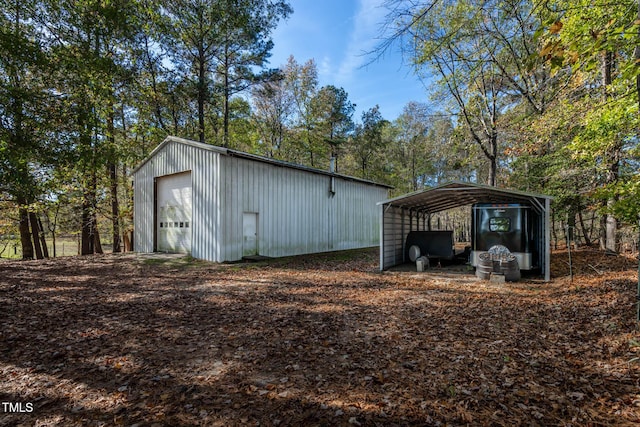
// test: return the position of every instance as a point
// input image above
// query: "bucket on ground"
(502, 263)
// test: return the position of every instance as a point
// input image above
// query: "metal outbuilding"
(410, 212)
(221, 205)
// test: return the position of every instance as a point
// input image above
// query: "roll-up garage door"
(174, 224)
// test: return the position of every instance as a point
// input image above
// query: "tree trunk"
(35, 232)
(174, 114)
(202, 92)
(53, 244)
(592, 227)
(113, 179)
(25, 234)
(154, 85)
(493, 171)
(115, 208)
(571, 227)
(127, 242)
(609, 223)
(227, 94)
(87, 228)
(96, 242)
(414, 173)
(613, 174)
(607, 65)
(493, 157)
(603, 230)
(587, 240)
(554, 232)
(52, 226)
(611, 231)
(310, 145)
(89, 220)
(43, 239)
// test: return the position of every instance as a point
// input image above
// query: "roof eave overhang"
(169, 139)
(456, 194)
(253, 157)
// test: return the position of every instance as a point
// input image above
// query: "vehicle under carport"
(411, 213)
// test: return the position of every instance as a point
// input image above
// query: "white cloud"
(325, 70)
(363, 38)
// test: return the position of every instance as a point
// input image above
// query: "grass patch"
(173, 261)
(65, 246)
(326, 259)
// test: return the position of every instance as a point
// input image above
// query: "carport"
(411, 212)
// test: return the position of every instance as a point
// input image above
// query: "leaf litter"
(315, 340)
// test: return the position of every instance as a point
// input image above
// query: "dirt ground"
(322, 340)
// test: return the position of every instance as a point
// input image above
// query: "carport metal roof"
(457, 193)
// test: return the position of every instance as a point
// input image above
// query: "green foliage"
(220, 48)
(302, 84)
(273, 112)
(576, 33)
(545, 90)
(607, 127)
(626, 196)
(424, 148)
(597, 40)
(482, 56)
(368, 142)
(333, 117)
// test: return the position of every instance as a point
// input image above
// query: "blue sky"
(337, 34)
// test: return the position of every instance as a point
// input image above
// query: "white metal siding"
(355, 221)
(204, 166)
(396, 224)
(143, 210)
(296, 212)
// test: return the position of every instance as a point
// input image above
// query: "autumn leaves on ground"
(321, 340)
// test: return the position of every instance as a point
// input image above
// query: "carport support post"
(547, 240)
(404, 236)
(381, 237)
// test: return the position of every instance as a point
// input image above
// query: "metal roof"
(455, 194)
(235, 153)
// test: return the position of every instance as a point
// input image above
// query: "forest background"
(535, 95)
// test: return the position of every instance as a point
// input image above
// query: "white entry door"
(174, 199)
(249, 234)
